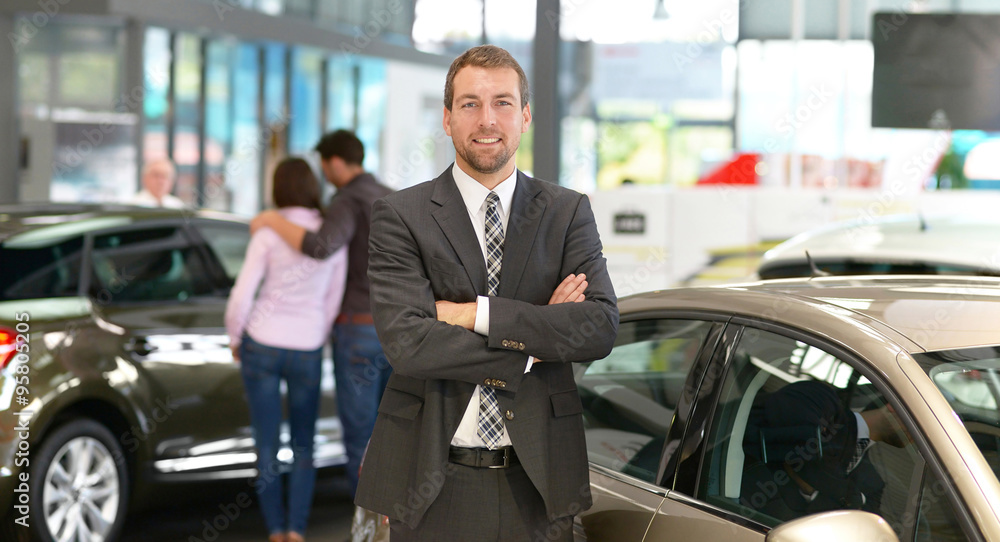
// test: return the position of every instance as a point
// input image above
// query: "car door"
(159, 289)
(634, 401)
(753, 471)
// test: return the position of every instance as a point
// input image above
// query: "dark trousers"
(486, 505)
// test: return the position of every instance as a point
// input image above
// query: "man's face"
(486, 119)
(159, 180)
(334, 169)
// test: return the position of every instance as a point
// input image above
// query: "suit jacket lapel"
(525, 215)
(453, 219)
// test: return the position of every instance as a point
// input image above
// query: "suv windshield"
(970, 379)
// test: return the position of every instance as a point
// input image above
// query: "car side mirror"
(837, 525)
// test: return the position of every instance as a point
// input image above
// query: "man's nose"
(488, 116)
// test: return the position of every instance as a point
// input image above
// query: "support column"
(10, 139)
(546, 109)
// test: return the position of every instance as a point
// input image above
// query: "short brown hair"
(342, 143)
(484, 56)
(295, 185)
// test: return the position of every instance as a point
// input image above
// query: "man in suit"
(485, 285)
(806, 432)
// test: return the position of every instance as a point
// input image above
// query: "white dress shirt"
(474, 196)
(147, 199)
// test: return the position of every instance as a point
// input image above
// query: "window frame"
(708, 407)
(663, 482)
(191, 240)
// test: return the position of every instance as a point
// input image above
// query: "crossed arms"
(424, 325)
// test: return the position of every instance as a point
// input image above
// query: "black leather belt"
(484, 458)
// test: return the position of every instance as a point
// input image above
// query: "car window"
(147, 265)
(40, 269)
(629, 397)
(228, 242)
(936, 519)
(787, 438)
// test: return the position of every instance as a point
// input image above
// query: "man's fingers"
(568, 289)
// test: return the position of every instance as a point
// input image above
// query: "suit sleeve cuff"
(482, 325)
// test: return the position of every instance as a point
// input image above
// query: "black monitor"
(936, 71)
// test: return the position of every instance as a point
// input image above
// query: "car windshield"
(970, 379)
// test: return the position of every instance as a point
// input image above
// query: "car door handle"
(139, 346)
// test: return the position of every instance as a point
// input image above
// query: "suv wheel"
(81, 484)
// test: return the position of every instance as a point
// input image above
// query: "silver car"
(836, 408)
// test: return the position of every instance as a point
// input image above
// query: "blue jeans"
(263, 368)
(361, 371)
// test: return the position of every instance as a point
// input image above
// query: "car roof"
(16, 219)
(967, 241)
(918, 313)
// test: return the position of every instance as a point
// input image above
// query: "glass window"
(218, 122)
(629, 397)
(936, 518)
(342, 80)
(156, 74)
(372, 94)
(797, 431)
(33, 271)
(148, 265)
(187, 116)
(228, 242)
(243, 168)
(306, 118)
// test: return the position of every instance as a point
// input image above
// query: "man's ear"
(526, 117)
(446, 121)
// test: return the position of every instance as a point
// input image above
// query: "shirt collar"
(863, 431)
(474, 194)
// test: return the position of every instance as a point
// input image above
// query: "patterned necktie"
(859, 452)
(490, 426)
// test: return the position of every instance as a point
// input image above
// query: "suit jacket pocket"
(566, 403)
(400, 404)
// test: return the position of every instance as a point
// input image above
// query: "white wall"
(415, 147)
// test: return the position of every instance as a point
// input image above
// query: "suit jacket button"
(486, 382)
(509, 415)
(505, 343)
(502, 383)
(520, 346)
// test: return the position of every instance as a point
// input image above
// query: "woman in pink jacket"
(277, 332)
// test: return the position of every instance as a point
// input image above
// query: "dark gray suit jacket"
(422, 249)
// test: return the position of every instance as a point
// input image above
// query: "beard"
(487, 164)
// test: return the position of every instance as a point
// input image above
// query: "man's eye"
(469, 105)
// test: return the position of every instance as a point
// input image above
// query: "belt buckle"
(506, 460)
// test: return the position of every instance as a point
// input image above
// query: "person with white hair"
(157, 183)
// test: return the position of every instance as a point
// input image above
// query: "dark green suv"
(116, 370)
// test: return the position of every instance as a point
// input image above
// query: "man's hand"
(570, 290)
(236, 353)
(263, 220)
(457, 314)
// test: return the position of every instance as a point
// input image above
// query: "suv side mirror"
(836, 525)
